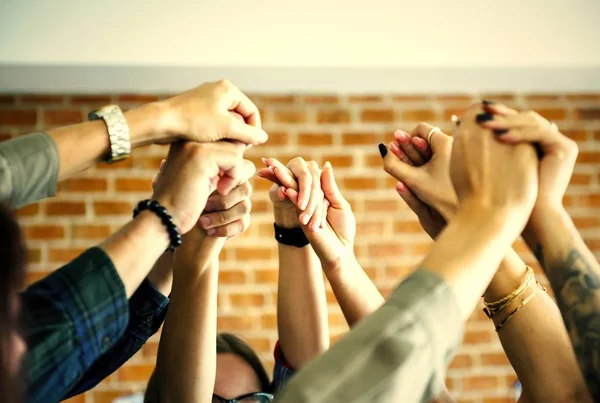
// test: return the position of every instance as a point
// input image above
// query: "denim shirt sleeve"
(147, 310)
(282, 371)
(73, 316)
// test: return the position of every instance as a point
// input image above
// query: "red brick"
(266, 276)
(110, 396)
(248, 299)
(383, 205)
(590, 200)
(63, 117)
(98, 100)
(577, 135)
(588, 114)
(277, 138)
(65, 208)
(320, 99)
(480, 382)
(61, 255)
(465, 98)
(18, 117)
(333, 116)
(377, 115)
(499, 97)
(232, 277)
(135, 373)
(29, 210)
(150, 349)
(418, 115)
(260, 344)
(253, 253)
(34, 255)
(90, 231)
(8, 99)
(370, 228)
(409, 98)
(359, 183)
(276, 99)
(448, 112)
(498, 400)
(122, 164)
(260, 206)
(374, 160)
(43, 99)
(355, 99)
(133, 185)
(315, 139)
(89, 185)
(552, 114)
(137, 98)
(268, 321)
(398, 272)
(597, 135)
(34, 276)
(290, 116)
(541, 98)
(357, 138)
(234, 323)
(477, 337)
(588, 156)
(103, 208)
(495, 359)
(338, 161)
(43, 232)
(76, 399)
(583, 97)
(461, 361)
(386, 249)
(150, 162)
(410, 227)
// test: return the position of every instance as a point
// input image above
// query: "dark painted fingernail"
(458, 123)
(383, 150)
(487, 102)
(500, 132)
(484, 117)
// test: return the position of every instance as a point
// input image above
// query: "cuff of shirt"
(279, 357)
(33, 164)
(94, 297)
(147, 310)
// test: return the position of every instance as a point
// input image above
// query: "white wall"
(297, 33)
(267, 45)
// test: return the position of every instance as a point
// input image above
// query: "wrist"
(286, 217)
(505, 216)
(152, 225)
(148, 124)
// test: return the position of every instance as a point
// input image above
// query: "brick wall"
(342, 129)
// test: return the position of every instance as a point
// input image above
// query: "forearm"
(83, 145)
(186, 362)
(574, 275)
(355, 292)
(529, 335)
(301, 305)
(161, 275)
(144, 234)
(483, 235)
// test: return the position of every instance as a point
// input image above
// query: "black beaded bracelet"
(165, 218)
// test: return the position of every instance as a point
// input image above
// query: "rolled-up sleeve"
(28, 169)
(73, 316)
(398, 354)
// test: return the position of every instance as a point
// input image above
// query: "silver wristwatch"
(118, 131)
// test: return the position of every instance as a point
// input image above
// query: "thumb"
(439, 141)
(398, 169)
(330, 187)
(236, 129)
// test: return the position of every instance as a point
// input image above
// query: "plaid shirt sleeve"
(147, 310)
(73, 316)
(282, 372)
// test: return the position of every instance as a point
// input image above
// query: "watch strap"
(118, 131)
(291, 236)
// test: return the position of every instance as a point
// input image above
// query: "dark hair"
(13, 255)
(228, 343)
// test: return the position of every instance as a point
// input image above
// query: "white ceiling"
(351, 33)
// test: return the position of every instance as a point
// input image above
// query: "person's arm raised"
(186, 362)
(572, 269)
(301, 304)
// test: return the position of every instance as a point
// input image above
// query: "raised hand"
(430, 190)
(203, 114)
(430, 183)
(192, 172)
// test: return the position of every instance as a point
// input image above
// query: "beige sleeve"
(28, 169)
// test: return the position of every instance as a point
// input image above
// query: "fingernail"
(500, 132)
(394, 147)
(209, 207)
(487, 102)
(327, 165)
(383, 150)
(211, 232)
(484, 117)
(419, 143)
(264, 160)
(205, 221)
(402, 136)
(303, 204)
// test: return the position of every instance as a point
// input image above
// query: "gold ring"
(433, 130)
(553, 127)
